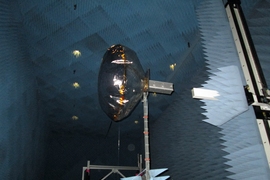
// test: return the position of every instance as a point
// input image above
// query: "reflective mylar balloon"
(120, 82)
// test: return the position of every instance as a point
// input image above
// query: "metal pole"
(146, 135)
(140, 167)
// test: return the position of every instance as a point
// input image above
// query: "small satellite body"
(121, 82)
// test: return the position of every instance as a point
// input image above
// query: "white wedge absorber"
(232, 100)
(156, 172)
(152, 175)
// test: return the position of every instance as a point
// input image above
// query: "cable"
(118, 148)
(118, 144)
(108, 130)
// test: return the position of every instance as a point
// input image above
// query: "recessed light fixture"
(76, 53)
(172, 66)
(76, 85)
(75, 118)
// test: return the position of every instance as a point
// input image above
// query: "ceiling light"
(172, 66)
(75, 118)
(76, 85)
(76, 53)
(136, 121)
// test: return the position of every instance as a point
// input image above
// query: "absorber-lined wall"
(22, 127)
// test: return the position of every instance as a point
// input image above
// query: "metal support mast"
(146, 135)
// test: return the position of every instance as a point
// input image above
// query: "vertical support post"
(146, 135)
(140, 167)
(139, 156)
(86, 170)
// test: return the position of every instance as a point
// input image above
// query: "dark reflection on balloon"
(120, 82)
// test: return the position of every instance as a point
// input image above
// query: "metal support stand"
(146, 174)
(114, 169)
(146, 136)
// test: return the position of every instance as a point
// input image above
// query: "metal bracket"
(160, 87)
